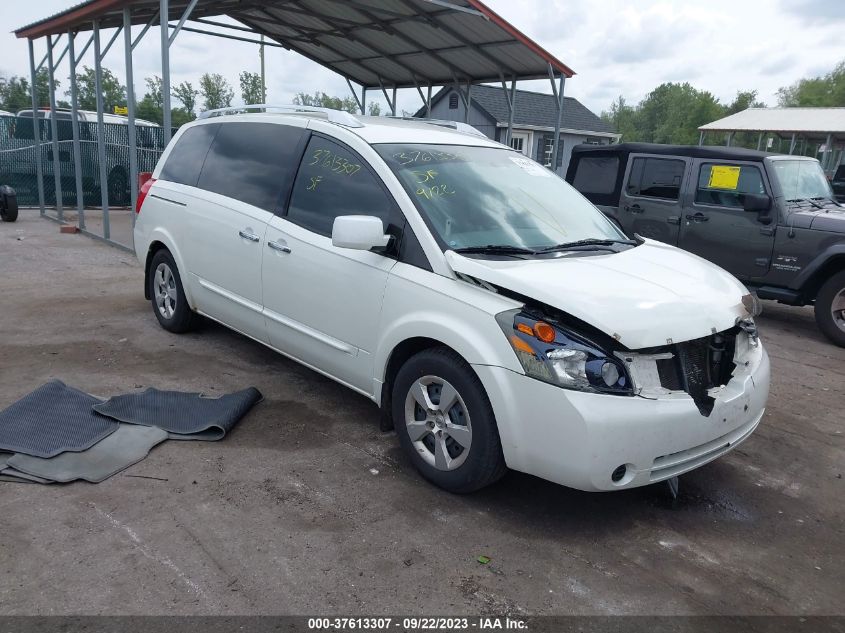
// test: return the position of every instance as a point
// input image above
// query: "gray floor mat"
(53, 419)
(15, 476)
(126, 446)
(185, 416)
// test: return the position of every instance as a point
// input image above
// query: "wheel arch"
(160, 240)
(831, 264)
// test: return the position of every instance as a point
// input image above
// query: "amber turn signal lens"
(521, 346)
(544, 332)
(525, 329)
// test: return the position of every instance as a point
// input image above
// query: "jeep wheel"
(830, 309)
(118, 188)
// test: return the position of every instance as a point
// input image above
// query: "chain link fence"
(20, 157)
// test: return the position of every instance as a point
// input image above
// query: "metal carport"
(377, 44)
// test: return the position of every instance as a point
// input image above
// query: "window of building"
(518, 143)
(332, 181)
(251, 162)
(656, 178)
(453, 101)
(548, 150)
(726, 185)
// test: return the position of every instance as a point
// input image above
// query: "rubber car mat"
(185, 416)
(53, 419)
(15, 476)
(120, 450)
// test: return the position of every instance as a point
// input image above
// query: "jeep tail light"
(145, 181)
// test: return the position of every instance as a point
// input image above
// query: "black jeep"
(771, 220)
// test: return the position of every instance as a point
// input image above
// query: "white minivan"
(498, 319)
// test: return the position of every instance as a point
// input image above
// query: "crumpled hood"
(644, 296)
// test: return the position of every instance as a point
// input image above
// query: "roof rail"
(340, 117)
(460, 126)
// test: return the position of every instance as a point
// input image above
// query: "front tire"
(8, 204)
(445, 422)
(118, 188)
(830, 308)
(168, 296)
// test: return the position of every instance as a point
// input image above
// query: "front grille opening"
(698, 366)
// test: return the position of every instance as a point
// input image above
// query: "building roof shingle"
(533, 108)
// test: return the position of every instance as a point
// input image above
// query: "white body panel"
(343, 312)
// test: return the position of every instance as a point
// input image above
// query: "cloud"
(816, 11)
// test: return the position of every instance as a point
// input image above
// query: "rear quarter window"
(186, 158)
(252, 162)
(596, 174)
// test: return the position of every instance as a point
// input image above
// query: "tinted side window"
(596, 174)
(656, 178)
(252, 162)
(333, 181)
(726, 185)
(185, 161)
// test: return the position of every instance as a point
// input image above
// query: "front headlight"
(558, 356)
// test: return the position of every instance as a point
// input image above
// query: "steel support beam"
(164, 12)
(189, 29)
(390, 104)
(36, 128)
(105, 51)
(558, 93)
(355, 94)
(729, 139)
(84, 49)
(130, 108)
(144, 30)
(792, 144)
(74, 124)
(428, 102)
(701, 138)
(828, 155)
(182, 21)
(101, 130)
(759, 141)
(510, 96)
(54, 129)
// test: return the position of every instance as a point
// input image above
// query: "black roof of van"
(705, 151)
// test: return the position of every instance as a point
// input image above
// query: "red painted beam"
(64, 22)
(522, 37)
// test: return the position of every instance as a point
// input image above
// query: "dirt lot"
(307, 508)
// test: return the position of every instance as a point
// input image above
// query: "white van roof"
(90, 115)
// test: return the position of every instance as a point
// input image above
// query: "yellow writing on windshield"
(327, 160)
(723, 177)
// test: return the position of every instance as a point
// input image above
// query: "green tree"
(322, 100)
(251, 89)
(744, 99)
(374, 108)
(825, 91)
(114, 94)
(216, 91)
(187, 94)
(624, 119)
(15, 92)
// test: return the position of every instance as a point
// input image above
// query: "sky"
(616, 47)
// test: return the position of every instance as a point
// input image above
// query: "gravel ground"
(307, 508)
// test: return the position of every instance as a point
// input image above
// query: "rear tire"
(118, 188)
(830, 308)
(168, 296)
(455, 445)
(8, 204)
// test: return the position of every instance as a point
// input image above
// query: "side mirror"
(359, 232)
(757, 202)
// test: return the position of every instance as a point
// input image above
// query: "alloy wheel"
(438, 422)
(166, 294)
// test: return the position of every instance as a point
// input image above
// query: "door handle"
(634, 208)
(674, 219)
(282, 248)
(252, 237)
(698, 217)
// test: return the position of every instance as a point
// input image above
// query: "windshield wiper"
(495, 249)
(826, 199)
(810, 201)
(587, 245)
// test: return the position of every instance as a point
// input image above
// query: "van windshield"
(479, 196)
(801, 179)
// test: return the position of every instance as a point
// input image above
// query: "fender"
(835, 250)
(160, 234)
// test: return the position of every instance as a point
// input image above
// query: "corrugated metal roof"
(400, 43)
(803, 120)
